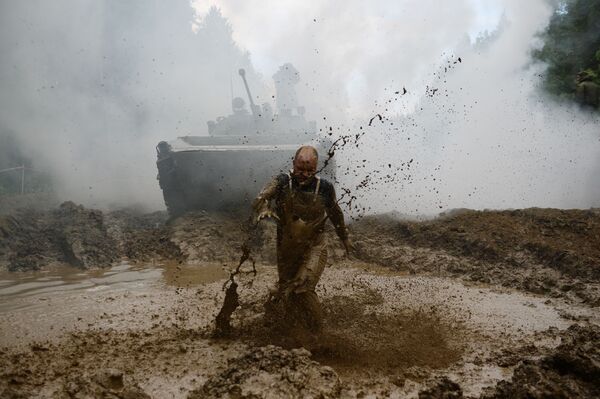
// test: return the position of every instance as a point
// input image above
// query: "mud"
(34, 239)
(385, 335)
(158, 335)
(142, 237)
(87, 238)
(572, 370)
(472, 304)
(218, 237)
(544, 251)
(442, 388)
(71, 234)
(356, 338)
(281, 373)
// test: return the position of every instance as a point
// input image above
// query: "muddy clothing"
(301, 246)
(588, 93)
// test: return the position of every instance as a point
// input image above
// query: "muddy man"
(301, 202)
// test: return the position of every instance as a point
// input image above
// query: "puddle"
(21, 290)
(15, 286)
(189, 275)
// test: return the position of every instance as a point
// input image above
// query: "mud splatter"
(231, 300)
(230, 304)
(356, 338)
(378, 116)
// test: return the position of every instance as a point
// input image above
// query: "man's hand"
(298, 281)
(350, 248)
(267, 213)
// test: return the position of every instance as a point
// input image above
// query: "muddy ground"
(494, 304)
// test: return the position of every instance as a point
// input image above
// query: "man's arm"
(261, 206)
(337, 218)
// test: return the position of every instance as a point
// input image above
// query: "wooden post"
(22, 179)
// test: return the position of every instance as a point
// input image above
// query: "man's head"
(583, 76)
(305, 164)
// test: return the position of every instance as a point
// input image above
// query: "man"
(301, 202)
(587, 92)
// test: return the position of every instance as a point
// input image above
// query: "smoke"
(90, 87)
(475, 133)
(483, 134)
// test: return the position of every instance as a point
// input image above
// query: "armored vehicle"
(226, 168)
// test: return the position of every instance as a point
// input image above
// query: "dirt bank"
(545, 251)
(474, 304)
(86, 238)
(71, 234)
(572, 370)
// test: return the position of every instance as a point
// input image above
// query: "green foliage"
(571, 45)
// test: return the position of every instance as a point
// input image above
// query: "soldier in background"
(587, 92)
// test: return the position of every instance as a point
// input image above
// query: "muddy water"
(384, 331)
(21, 290)
(47, 304)
(191, 275)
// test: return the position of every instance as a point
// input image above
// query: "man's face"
(305, 167)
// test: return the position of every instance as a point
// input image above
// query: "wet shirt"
(276, 192)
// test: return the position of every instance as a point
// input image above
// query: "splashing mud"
(356, 338)
(231, 300)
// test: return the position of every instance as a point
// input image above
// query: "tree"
(571, 45)
(222, 58)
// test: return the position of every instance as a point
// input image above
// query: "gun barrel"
(253, 106)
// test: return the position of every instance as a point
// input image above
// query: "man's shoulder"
(325, 182)
(326, 185)
(282, 178)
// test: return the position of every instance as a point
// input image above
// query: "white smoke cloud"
(483, 136)
(493, 142)
(89, 88)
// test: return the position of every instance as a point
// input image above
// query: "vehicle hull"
(221, 176)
